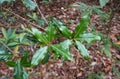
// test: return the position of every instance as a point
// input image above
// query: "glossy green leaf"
(95, 9)
(103, 15)
(11, 33)
(46, 1)
(39, 36)
(89, 37)
(22, 39)
(10, 63)
(106, 45)
(25, 75)
(84, 22)
(33, 16)
(25, 29)
(1, 1)
(63, 29)
(4, 33)
(82, 6)
(2, 39)
(103, 2)
(12, 44)
(39, 55)
(29, 4)
(46, 58)
(82, 49)
(50, 32)
(4, 55)
(30, 34)
(40, 22)
(35, 30)
(62, 50)
(106, 49)
(24, 60)
(19, 72)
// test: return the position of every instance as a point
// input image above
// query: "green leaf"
(46, 1)
(46, 58)
(50, 32)
(40, 22)
(25, 74)
(22, 39)
(106, 45)
(63, 29)
(4, 33)
(4, 55)
(35, 30)
(2, 39)
(2, 1)
(10, 63)
(84, 22)
(39, 36)
(25, 29)
(89, 37)
(82, 6)
(39, 55)
(29, 4)
(103, 15)
(33, 16)
(103, 3)
(116, 71)
(12, 44)
(11, 34)
(106, 49)
(24, 60)
(82, 49)
(19, 72)
(62, 50)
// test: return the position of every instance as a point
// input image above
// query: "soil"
(99, 63)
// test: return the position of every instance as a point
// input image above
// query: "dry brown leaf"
(118, 43)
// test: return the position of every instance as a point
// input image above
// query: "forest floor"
(99, 65)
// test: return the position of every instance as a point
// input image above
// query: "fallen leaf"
(118, 43)
(108, 68)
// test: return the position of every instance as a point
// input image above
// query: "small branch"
(41, 12)
(7, 47)
(2, 25)
(24, 19)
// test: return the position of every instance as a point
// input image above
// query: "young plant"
(9, 51)
(96, 9)
(103, 2)
(93, 9)
(44, 42)
(57, 29)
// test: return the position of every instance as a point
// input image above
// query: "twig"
(24, 19)
(41, 12)
(7, 47)
(2, 25)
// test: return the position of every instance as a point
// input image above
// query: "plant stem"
(41, 12)
(24, 19)
(7, 47)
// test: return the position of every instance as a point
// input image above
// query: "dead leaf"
(118, 43)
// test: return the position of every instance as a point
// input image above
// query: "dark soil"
(80, 68)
